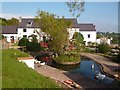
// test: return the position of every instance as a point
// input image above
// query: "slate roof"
(86, 27)
(25, 23)
(29, 23)
(73, 20)
(9, 29)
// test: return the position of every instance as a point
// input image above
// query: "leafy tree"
(78, 37)
(55, 29)
(103, 48)
(3, 21)
(13, 21)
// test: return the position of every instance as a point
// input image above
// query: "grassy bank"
(18, 75)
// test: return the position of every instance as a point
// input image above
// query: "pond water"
(87, 68)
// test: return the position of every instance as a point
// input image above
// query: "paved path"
(108, 66)
(60, 75)
(53, 73)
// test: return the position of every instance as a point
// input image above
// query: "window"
(88, 35)
(25, 36)
(24, 30)
(29, 23)
(33, 31)
(11, 37)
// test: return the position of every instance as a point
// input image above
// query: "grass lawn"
(17, 75)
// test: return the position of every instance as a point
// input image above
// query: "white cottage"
(27, 27)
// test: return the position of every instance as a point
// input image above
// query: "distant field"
(18, 75)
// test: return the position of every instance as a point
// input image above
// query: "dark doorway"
(12, 39)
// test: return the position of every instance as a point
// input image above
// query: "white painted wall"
(28, 62)
(30, 31)
(71, 31)
(9, 37)
(92, 36)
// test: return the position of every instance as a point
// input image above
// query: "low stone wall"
(29, 61)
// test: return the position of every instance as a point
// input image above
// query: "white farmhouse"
(27, 27)
(87, 30)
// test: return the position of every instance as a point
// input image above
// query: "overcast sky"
(102, 14)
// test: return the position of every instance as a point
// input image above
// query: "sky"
(104, 15)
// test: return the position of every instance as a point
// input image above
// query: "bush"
(23, 42)
(68, 57)
(33, 47)
(104, 48)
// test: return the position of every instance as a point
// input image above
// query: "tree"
(55, 28)
(3, 21)
(78, 37)
(13, 21)
(103, 48)
(76, 7)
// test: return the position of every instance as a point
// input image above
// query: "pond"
(87, 68)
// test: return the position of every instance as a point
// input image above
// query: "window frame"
(24, 30)
(88, 35)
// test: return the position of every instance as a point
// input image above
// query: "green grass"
(17, 75)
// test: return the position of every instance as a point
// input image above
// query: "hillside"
(18, 75)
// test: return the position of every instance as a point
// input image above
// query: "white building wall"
(85, 34)
(9, 37)
(92, 36)
(29, 31)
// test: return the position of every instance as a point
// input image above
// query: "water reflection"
(87, 68)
